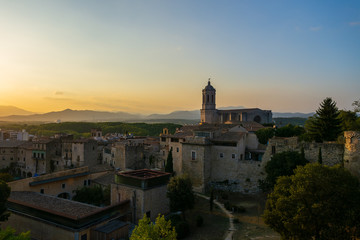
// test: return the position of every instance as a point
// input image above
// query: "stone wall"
(332, 153)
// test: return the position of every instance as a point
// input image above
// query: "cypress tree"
(320, 156)
(302, 153)
(169, 163)
(211, 199)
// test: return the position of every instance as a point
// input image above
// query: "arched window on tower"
(207, 98)
(212, 98)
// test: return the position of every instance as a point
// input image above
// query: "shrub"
(239, 209)
(227, 205)
(199, 221)
(182, 229)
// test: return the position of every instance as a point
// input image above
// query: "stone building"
(146, 189)
(84, 152)
(9, 152)
(209, 113)
(58, 184)
(210, 153)
(128, 154)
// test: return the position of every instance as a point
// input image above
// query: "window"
(88, 182)
(42, 191)
(63, 186)
(177, 149)
(163, 139)
(163, 153)
(42, 156)
(85, 182)
(148, 213)
(233, 156)
(221, 155)
(193, 155)
(84, 237)
(273, 150)
(241, 157)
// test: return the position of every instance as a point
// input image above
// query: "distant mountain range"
(20, 115)
(11, 110)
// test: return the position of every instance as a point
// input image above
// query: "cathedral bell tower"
(208, 110)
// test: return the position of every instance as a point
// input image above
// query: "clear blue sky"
(156, 56)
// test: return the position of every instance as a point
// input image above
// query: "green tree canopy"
(146, 230)
(180, 193)
(356, 105)
(264, 134)
(4, 194)
(289, 131)
(281, 164)
(317, 202)
(6, 177)
(325, 125)
(9, 234)
(349, 121)
(169, 163)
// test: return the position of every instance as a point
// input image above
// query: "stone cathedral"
(209, 113)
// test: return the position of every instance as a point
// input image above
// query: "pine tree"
(325, 125)
(169, 163)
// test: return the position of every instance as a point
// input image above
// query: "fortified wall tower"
(352, 152)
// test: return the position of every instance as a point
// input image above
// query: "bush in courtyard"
(182, 229)
(199, 221)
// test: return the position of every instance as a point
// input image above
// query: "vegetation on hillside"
(82, 129)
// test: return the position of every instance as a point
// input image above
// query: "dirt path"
(232, 229)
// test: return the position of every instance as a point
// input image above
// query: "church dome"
(209, 87)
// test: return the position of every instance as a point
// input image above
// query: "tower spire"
(209, 81)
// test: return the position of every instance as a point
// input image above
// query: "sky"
(156, 56)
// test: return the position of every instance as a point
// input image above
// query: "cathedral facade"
(209, 113)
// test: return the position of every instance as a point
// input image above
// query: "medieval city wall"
(332, 153)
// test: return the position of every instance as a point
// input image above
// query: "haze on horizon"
(156, 56)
